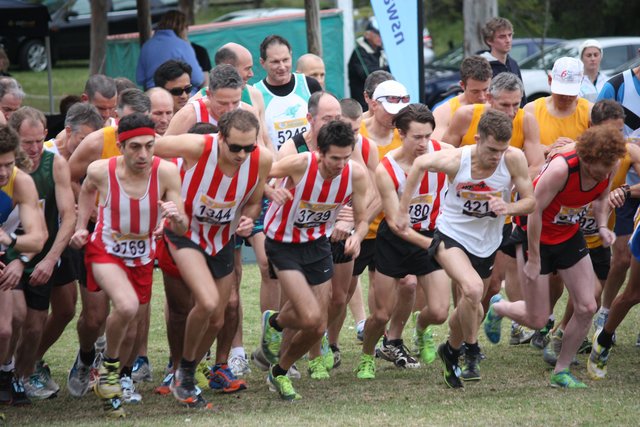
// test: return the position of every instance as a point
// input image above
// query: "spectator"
(4, 63)
(498, 35)
(175, 76)
(161, 108)
(102, 92)
(168, 42)
(123, 83)
(593, 81)
(55, 122)
(367, 57)
(312, 66)
(11, 96)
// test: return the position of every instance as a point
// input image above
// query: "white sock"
(237, 352)
(8, 367)
(552, 318)
(604, 311)
(360, 325)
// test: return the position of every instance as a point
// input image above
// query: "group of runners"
(441, 208)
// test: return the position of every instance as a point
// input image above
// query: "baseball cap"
(372, 25)
(589, 43)
(566, 76)
(392, 95)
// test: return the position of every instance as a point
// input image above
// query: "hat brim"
(393, 108)
(568, 89)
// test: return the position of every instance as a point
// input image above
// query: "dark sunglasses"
(394, 99)
(236, 148)
(177, 91)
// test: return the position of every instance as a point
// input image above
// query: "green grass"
(514, 388)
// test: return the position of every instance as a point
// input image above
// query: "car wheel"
(33, 56)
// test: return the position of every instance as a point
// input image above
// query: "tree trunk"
(186, 6)
(99, 29)
(312, 18)
(144, 20)
(476, 13)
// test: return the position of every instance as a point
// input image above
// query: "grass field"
(513, 390)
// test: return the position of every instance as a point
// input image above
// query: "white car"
(535, 69)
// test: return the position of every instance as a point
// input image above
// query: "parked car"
(70, 30)
(442, 76)
(535, 69)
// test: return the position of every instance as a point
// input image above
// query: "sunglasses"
(394, 99)
(177, 91)
(236, 148)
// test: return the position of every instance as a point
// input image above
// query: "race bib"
(287, 129)
(420, 208)
(476, 203)
(569, 216)
(209, 211)
(130, 245)
(313, 214)
(588, 224)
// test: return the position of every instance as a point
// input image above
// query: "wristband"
(626, 189)
(14, 240)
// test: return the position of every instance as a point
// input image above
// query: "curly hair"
(601, 144)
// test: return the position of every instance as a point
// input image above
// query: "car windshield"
(545, 59)
(451, 59)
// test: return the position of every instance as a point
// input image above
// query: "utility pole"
(144, 20)
(99, 29)
(476, 13)
(312, 19)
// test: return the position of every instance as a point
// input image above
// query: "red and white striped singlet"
(312, 212)
(125, 225)
(427, 199)
(212, 200)
(202, 113)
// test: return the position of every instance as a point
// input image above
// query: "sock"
(273, 321)
(237, 352)
(87, 357)
(188, 365)
(145, 359)
(125, 371)
(360, 325)
(604, 310)
(472, 349)
(110, 360)
(452, 353)
(552, 318)
(395, 343)
(277, 370)
(8, 367)
(605, 339)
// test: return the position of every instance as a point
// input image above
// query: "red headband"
(123, 136)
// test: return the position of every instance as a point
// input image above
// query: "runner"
(401, 254)
(469, 228)
(222, 189)
(136, 191)
(320, 182)
(570, 181)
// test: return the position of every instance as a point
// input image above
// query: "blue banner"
(398, 23)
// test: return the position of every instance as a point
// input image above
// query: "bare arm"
(358, 200)
(172, 208)
(254, 205)
(35, 233)
(517, 164)
(458, 126)
(89, 150)
(182, 121)
(442, 116)
(188, 146)
(533, 151)
(601, 213)
(94, 182)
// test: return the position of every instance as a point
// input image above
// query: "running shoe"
(101, 343)
(129, 393)
(141, 371)
(165, 387)
(94, 371)
(113, 408)
(18, 395)
(35, 389)
(541, 337)
(424, 344)
(337, 356)
(43, 371)
(5, 387)
(398, 355)
(493, 322)
(294, 372)
(202, 374)
(221, 378)
(326, 353)
(271, 338)
(451, 369)
(183, 387)
(239, 366)
(282, 385)
(553, 348)
(366, 369)
(520, 334)
(318, 369)
(360, 331)
(637, 341)
(108, 385)
(585, 347)
(78, 379)
(258, 358)
(597, 362)
(471, 368)
(565, 379)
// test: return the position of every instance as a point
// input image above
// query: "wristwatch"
(24, 259)
(14, 239)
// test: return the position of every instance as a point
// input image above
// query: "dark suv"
(70, 30)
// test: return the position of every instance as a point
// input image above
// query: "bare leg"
(63, 310)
